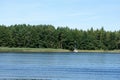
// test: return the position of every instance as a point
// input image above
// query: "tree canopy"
(47, 36)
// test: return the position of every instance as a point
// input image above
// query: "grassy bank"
(111, 51)
(6, 49)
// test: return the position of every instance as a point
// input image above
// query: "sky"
(80, 14)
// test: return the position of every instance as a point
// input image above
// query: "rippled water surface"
(59, 66)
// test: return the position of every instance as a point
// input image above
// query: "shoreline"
(100, 51)
(6, 49)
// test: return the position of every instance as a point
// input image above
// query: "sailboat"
(75, 45)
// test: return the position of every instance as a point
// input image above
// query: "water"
(59, 66)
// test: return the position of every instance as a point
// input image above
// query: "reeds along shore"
(6, 49)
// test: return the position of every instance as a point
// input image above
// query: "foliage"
(47, 36)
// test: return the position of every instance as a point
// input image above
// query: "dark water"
(59, 66)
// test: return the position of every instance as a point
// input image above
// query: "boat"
(75, 50)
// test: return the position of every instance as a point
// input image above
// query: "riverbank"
(110, 51)
(6, 49)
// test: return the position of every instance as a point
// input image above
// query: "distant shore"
(6, 49)
(110, 51)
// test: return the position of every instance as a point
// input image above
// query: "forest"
(47, 36)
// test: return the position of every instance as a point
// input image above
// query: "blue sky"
(80, 14)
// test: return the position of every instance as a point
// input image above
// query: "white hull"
(75, 50)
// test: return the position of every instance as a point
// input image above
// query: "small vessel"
(75, 45)
(75, 50)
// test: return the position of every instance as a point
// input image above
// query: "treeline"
(47, 36)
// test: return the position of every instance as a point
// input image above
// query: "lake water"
(59, 66)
